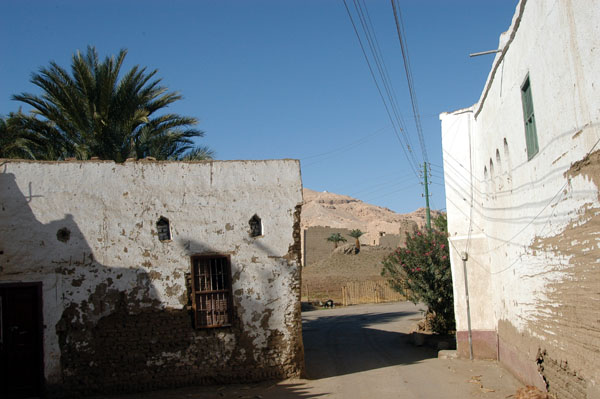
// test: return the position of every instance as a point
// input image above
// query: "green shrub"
(421, 272)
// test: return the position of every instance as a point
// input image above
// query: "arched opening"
(256, 227)
(507, 163)
(163, 228)
(499, 167)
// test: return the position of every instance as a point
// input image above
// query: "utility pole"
(428, 212)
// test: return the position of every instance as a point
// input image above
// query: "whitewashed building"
(134, 276)
(522, 169)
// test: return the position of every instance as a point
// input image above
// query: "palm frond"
(94, 112)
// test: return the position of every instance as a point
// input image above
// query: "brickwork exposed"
(160, 348)
(117, 303)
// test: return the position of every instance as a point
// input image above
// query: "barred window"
(211, 287)
(164, 229)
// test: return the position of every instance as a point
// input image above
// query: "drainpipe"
(464, 257)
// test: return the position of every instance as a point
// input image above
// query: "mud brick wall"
(392, 241)
(316, 246)
(116, 297)
(160, 348)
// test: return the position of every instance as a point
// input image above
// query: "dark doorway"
(21, 370)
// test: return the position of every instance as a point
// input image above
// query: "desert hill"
(329, 270)
(341, 211)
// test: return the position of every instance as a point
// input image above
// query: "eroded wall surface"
(116, 299)
(531, 227)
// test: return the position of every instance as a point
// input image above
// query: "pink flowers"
(444, 257)
(443, 246)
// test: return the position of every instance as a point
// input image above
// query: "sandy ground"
(364, 351)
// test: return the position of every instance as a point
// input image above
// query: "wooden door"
(21, 372)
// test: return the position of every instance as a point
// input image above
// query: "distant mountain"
(340, 211)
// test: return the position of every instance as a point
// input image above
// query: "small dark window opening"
(256, 229)
(211, 290)
(164, 229)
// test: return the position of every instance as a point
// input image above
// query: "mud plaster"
(568, 321)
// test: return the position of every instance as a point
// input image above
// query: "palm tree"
(336, 238)
(27, 138)
(91, 112)
(12, 143)
(356, 233)
(198, 154)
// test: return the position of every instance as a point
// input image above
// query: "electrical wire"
(346, 147)
(396, 123)
(556, 198)
(409, 76)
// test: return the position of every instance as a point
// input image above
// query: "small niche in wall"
(163, 227)
(498, 162)
(256, 227)
(63, 234)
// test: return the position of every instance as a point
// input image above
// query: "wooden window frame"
(531, 140)
(210, 295)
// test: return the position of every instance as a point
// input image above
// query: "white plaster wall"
(464, 188)
(111, 210)
(556, 44)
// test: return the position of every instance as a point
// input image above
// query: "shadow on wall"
(106, 329)
(266, 319)
(92, 311)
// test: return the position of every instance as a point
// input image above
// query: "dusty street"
(364, 352)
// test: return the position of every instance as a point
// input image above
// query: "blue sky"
(275, 79)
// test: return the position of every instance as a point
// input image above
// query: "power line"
(406, 147)
(367, 25)
(343, 148)
(556, 198)
(409, 77)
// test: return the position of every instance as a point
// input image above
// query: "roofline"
(512, 31)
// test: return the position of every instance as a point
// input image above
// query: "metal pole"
(484, 53)
(428, 213)
(465, 256)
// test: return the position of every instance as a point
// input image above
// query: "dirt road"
(363, 352)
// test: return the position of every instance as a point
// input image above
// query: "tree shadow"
(80, 294)
(107, 328)
(346, 344)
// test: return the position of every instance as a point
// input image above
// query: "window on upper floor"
(529, 118)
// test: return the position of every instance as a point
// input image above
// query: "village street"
(365, 351)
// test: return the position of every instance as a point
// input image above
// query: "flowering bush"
(421, 272)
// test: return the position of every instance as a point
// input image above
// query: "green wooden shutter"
(529, 118)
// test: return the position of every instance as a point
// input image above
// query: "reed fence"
(357, 292)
